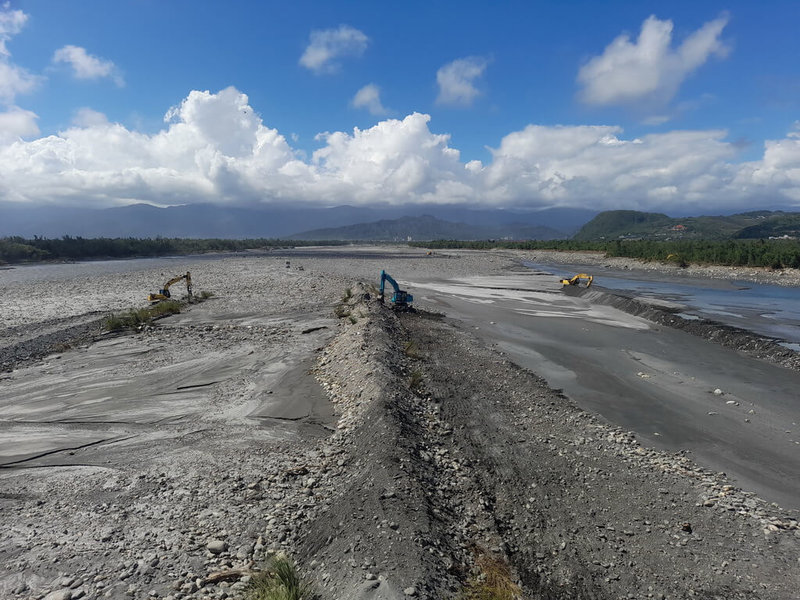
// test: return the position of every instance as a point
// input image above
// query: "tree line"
(16, 249)
(773, 254)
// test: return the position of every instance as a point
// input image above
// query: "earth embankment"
(456, 454)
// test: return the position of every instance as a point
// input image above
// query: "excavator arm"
(400, 298)
(163, 294)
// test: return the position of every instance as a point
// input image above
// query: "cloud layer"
(215, 148)
(649, 69)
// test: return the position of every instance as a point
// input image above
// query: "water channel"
(769, 310)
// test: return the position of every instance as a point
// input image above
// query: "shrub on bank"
(280, 581)
(137, 318)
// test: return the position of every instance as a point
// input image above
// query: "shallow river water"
(769, 310)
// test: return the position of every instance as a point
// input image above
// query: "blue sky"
(679, 106)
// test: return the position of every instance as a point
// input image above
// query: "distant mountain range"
(214, 221)
(631, 224)
(400, 223)
(426, 228)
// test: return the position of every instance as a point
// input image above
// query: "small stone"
(216, 546)
(410, 591)
(59, 595)
(718, 392)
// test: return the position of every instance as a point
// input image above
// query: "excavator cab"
(401, 299)
(164, 293)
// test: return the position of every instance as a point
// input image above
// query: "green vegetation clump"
(280, 581)
(137, 318)
(415, 380)
(341, 311)
(411, 350)
(493, 582)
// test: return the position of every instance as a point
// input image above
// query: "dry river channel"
(290, 410)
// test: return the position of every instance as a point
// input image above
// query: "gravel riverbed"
(170, 462)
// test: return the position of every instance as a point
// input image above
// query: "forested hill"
(632, 224)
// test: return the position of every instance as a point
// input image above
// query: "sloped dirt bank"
(448, 452)
(31, 342)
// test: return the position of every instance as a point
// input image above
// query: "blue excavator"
(401, 299)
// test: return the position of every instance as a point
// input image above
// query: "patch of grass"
(492, 583)
(162, 309)
(341, 311)
(348, 293)
(353, 319)
(280, 581)
(415, 380)
(136, 318)
(205, 295)
(411, 350)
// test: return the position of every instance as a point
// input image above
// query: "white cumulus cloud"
(17, 123)
(11, 23)
(326, 46)
(595, 166)
(456, 80)
(87, 117)
(215, 148)
(393, 162)
(87, 66)
(13, 79)
(369, 97)
(649, 69)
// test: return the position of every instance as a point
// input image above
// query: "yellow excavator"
(577, 279)
(163, 294)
